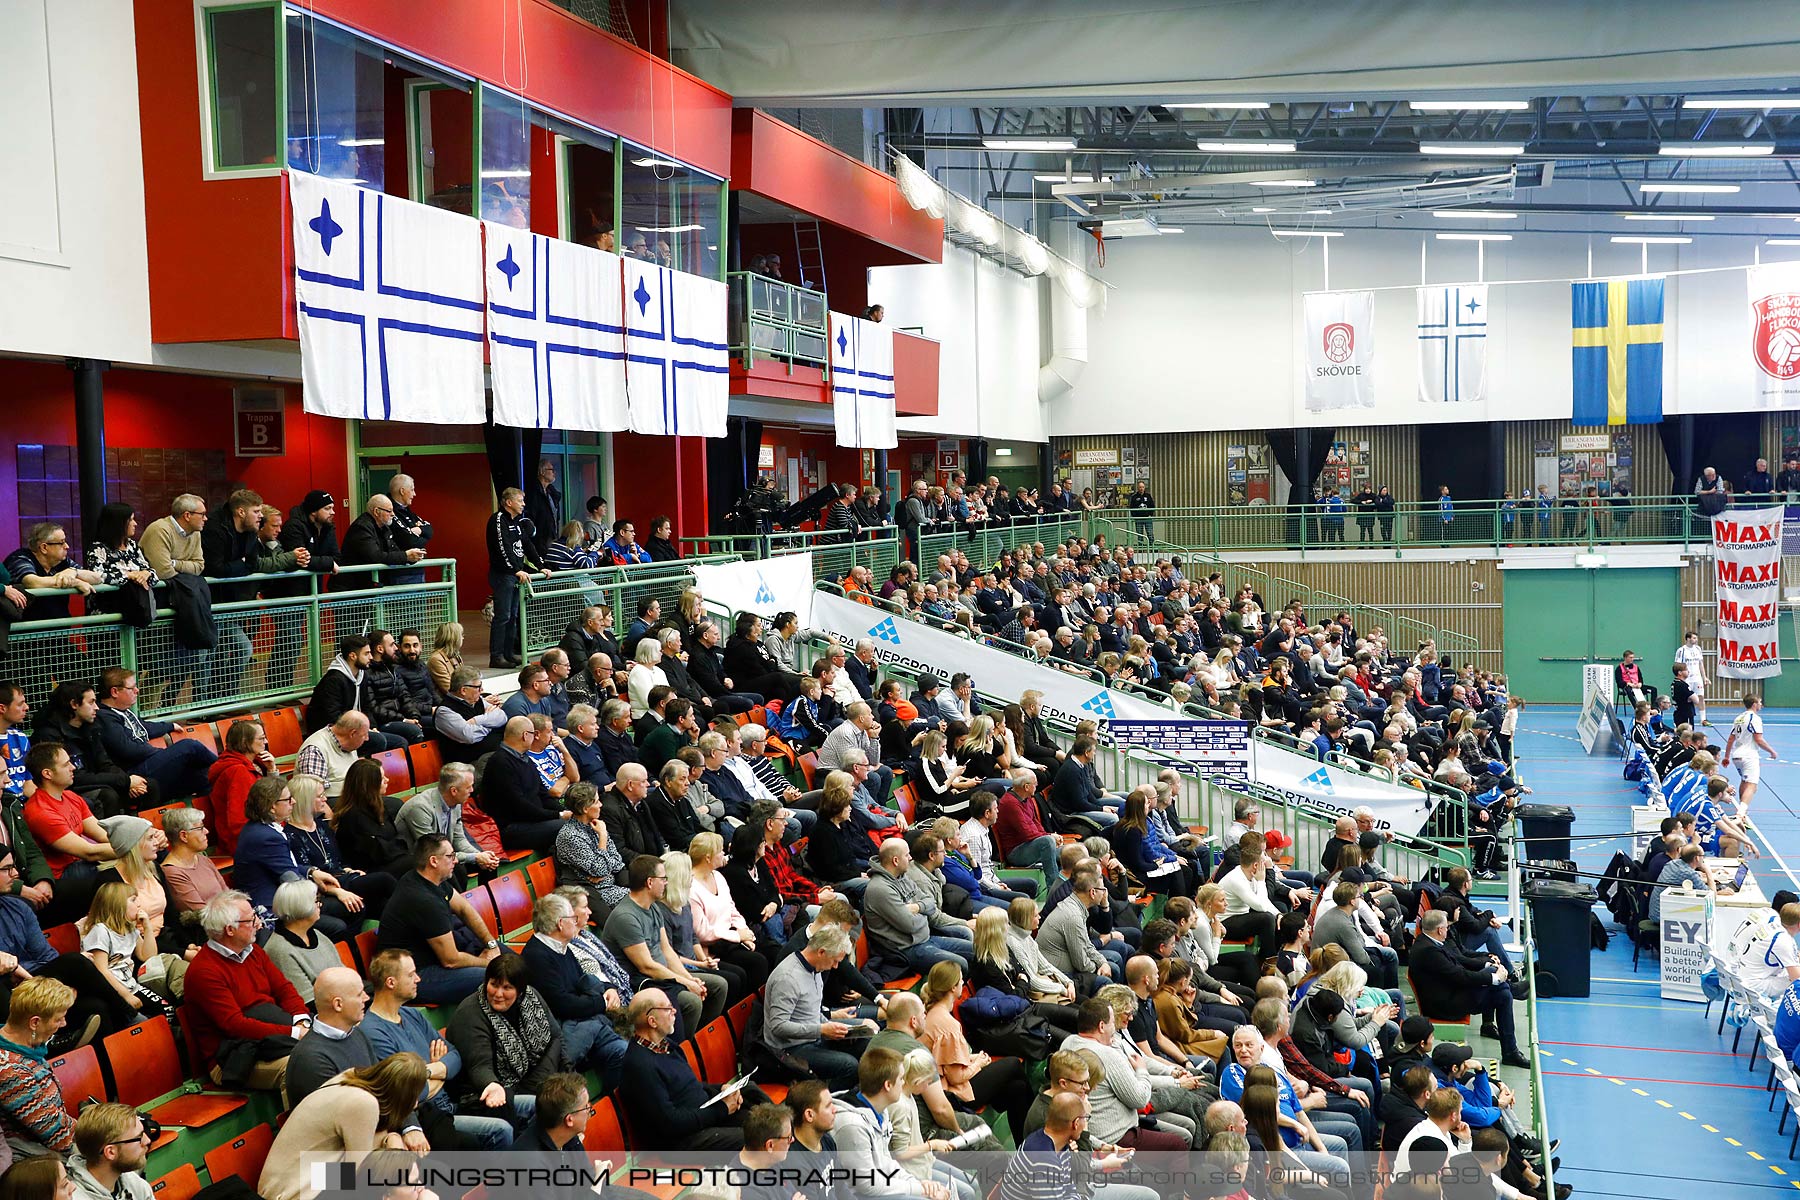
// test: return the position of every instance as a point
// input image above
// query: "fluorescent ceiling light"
(1315, 212)
(1714, 189)
(1079, 178)
(658, 162)
(1264, 210)
(1002, 451)
(1668, 216)
(1246, 147)
(1715, 149)
(353, 143)
(1781, 241)
(1468, 105)
(1173, 229)
(1499, 149)
(1028, 143)
(1306, 233)
(1754, 102)
(520, 173)
(1474, 237)
(1224, 105)
(1287, 183)
(667, 228)
(1622, 240)
(1472, 214)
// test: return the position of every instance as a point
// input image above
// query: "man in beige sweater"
(172, 543)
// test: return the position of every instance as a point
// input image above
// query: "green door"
(1557, 620)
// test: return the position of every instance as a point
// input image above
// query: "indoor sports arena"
(1075, 600)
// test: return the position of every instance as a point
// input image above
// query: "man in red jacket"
(238, 998)
(1019, 835)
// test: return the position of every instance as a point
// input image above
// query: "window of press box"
(245, 78)
(441, 145)
(336, 104)
(669, 213)
(505, 159)
(589, 181)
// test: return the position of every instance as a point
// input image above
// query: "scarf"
(518, 1048)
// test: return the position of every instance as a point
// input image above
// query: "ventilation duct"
(1067, 337)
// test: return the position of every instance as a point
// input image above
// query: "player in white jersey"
(1742, 748)
(1690, 655)
(1775, 963)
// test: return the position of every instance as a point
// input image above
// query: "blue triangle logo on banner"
(887, 632)
(1100, 705)
(1320, 779)
(763, 594)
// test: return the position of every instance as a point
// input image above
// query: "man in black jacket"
(512, 559)
(410, 530)
(309, 527)
(512, 792)
(179, 770)
(630, 823)
(581, 1002)
(393, 708)
(415, 679)
(1073, 797)
(231, 548)
(1452, 984)
(372, 540)
(1403, 1105)
(707, 667)
(71, 720)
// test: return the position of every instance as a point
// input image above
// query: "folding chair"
(243, 1156)
(147, 1066)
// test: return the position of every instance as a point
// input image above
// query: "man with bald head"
(330, 752)
(1343, 833)
(336, 1043)
(513, 793)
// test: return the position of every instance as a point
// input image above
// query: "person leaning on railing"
(44, 562)
(374, 539)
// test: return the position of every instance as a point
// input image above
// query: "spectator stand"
(546, 606)
(985, 543)
(289, 640)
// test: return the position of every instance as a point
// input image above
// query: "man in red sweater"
(1019, 835)
(238, 998)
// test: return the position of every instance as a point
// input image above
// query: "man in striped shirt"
(1044, 1167)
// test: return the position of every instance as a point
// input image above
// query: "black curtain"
(1301, 454)
(730, 465)
(512, 454)
(1730, 443)
(978, 461)
(1460, 455)
(1676, 435)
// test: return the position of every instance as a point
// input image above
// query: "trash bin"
(1548, 822)
(1561, 916)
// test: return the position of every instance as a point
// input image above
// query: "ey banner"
(1747, 562)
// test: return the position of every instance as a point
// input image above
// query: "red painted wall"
(153, 408)
(775, 160)
(915, 375)
(660, 476)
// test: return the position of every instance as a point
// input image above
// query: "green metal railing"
(833, 553)
(985, 545)
(773, 319)
(1492, 524)
(546, 606)
(1530, 1044)
(268, 651)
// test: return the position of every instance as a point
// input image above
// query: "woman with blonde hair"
(678, 915)
(718, 925)
(1319, 960)
(972, 1080)
(446, 655)
(917, 1156)
(994, 966)
(983, 758)
(117, 938)
(355, 1112)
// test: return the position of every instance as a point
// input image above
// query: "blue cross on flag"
(887, 632)
(677, 377)
(862, 383)
(556, 333)
(1100, 704)
(1453, 338)
(389, 299)
(1320, 779)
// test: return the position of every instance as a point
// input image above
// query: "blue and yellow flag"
(1618, 352)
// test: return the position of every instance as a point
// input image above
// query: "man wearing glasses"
(563, 1111)
(44, 562)
(1044, 1167)
(111, 1149)
(637, 931)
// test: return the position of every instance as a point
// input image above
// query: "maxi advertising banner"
(1747, 560)
(1129, 720)
(783, 583)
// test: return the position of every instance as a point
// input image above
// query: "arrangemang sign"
(1747, 582)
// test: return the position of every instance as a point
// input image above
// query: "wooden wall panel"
(1650, 466)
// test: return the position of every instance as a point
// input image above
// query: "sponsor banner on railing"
(920, 648)
(1747, 562)
(783, 583)
(1216, 748)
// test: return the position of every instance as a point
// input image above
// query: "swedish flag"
(1618, 352)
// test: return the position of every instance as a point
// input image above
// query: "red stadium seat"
(809, 767)
(542, 877)
(512, 901)
(78, 1074)
(282, 725)
(201, 732)
(146, 1065)
(183, 1183)
(364, 945)
(484, 904)
(64, 939)
(395, 771)
(426, 760)
(718, 1054)
(243, 1156)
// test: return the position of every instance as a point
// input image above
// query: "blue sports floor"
(1648, 1100)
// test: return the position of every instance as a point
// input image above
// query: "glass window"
(336, 118)
(443, 147)
(505, 159)
(246, 86)
(669, 213)
(589, 180)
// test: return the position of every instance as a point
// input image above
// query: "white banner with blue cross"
(556, 332)
(677, 376)
(862, 383)
(390, 302)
